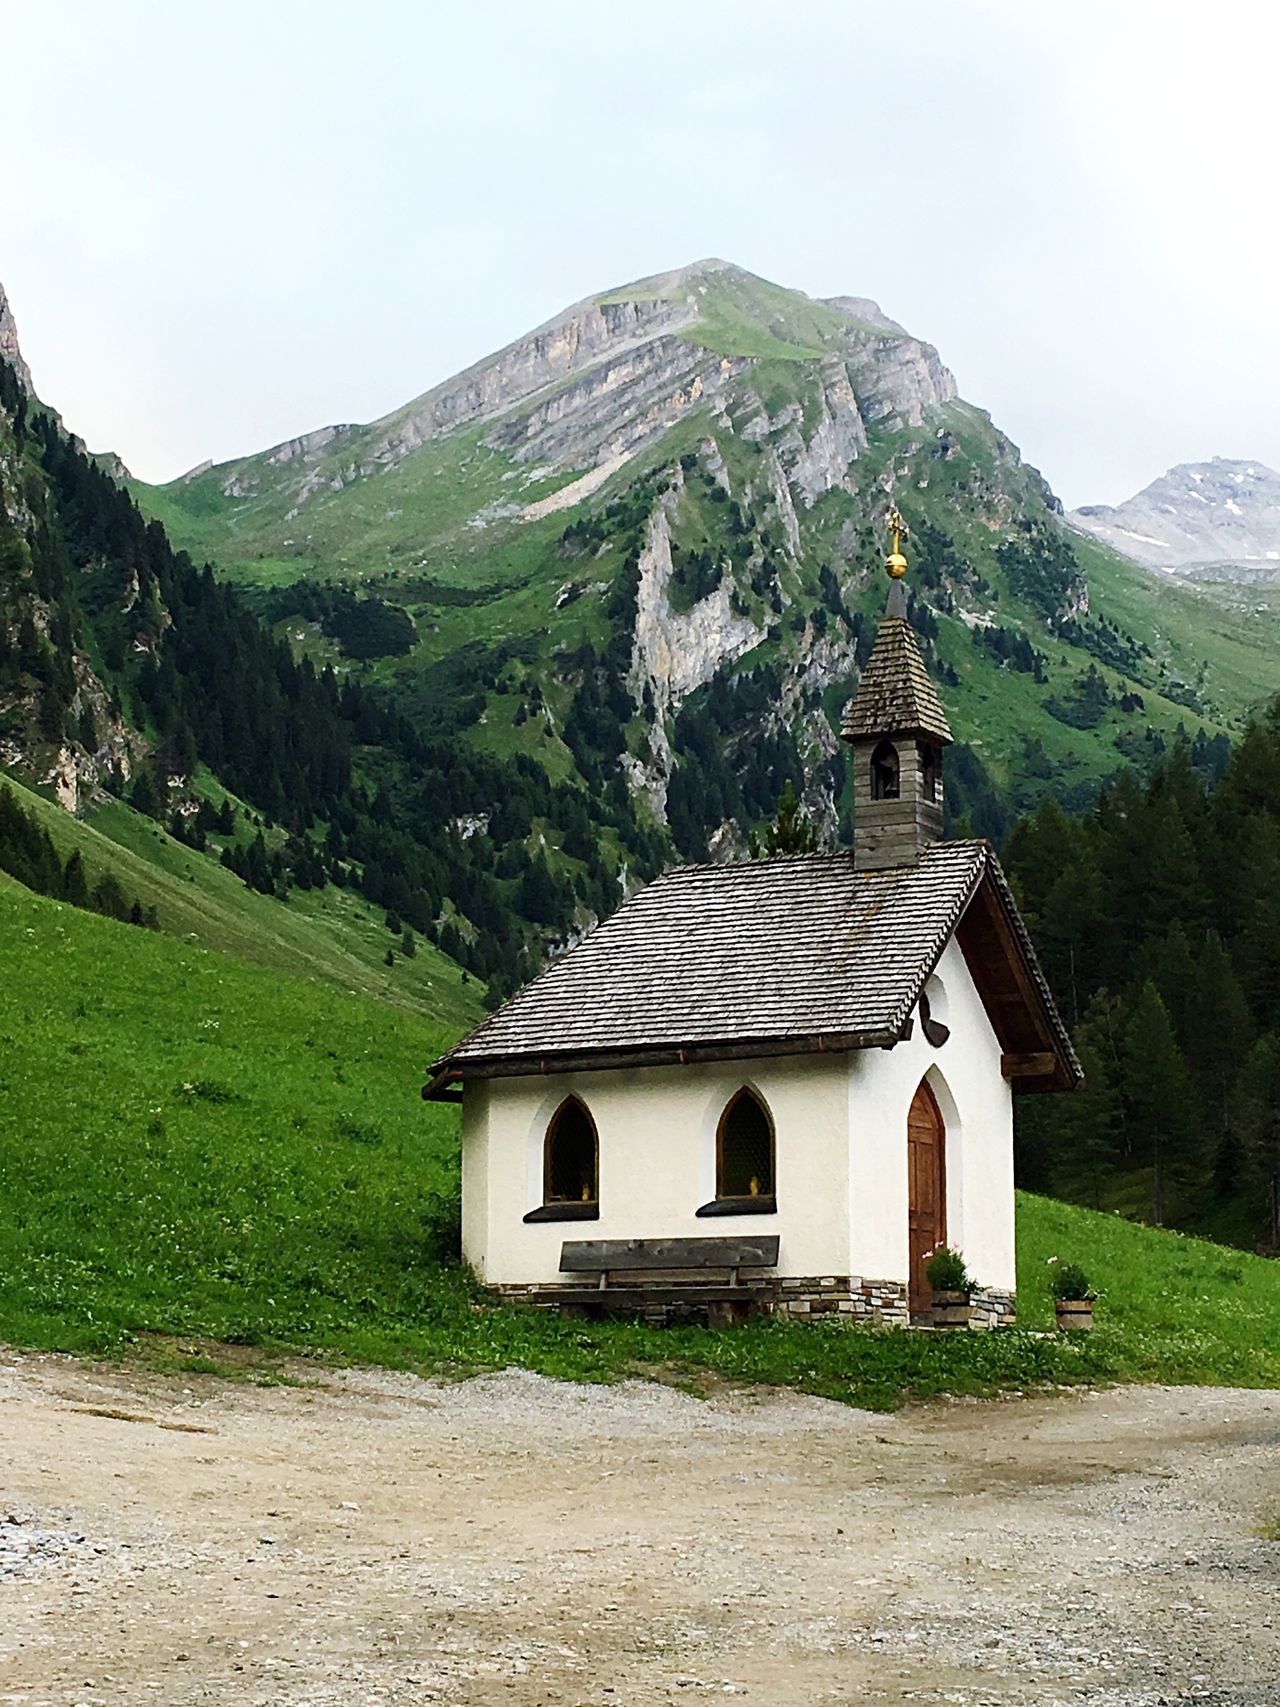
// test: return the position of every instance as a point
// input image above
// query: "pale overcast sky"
(222, 224)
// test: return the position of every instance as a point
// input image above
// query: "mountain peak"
(9, 348)
(1221, 515)
(613, 372)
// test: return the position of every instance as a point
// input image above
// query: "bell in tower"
(897, 729)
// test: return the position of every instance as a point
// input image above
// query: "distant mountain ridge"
(1216, 520)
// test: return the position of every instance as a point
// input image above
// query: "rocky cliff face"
(1207, 519)
(105, 746)
(73, 771)
(611, 374)
(9, 349)
(675, 652)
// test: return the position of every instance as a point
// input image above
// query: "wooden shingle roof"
(896, 695)
(756, 958)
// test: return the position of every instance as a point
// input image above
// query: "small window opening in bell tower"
(884, 772)
(929, 773)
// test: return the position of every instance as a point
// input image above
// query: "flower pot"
(951, 1309)
(1074, 1314)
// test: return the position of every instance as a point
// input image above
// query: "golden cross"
(897, 563)
(898, 528)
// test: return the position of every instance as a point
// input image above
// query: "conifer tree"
(144, 796)
(1087, 1135)
(1260, 1125)
(1217, 1035)
(110, 898)
(1170, 964)
(1154, 1089)
(75, 887)
(791, 831)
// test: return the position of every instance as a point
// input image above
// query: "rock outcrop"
(864, 309)
(898, 380)
(9, 347)
(674, 652)
(820, 463)
(1214, 520)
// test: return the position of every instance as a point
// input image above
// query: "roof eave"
(449, 1072)
(1067, 1074)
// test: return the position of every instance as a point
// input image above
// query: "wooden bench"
(723, 1276)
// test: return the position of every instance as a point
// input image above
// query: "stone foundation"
(847, 1298)
(883, 1303)
(993, 1308)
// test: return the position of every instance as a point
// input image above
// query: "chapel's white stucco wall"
(657, 1129)
(841, 1153)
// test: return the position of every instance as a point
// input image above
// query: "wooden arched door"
(927, 1190)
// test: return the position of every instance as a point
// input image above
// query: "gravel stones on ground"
(375, 1538)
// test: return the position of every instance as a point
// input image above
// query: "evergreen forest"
(1157, 918)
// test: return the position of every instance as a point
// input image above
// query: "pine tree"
(1260, 1125)
(144, 796)
(791, 831)
(1155, 1093)
(75, 886)
(109, 898)
(1171, 966)
(1218, 1033)
(1088, 1129)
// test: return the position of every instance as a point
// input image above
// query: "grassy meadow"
(330, 934)
(198, 1154)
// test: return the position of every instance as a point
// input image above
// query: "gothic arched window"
(744, 1149)
(571, 1156)
(884, 772)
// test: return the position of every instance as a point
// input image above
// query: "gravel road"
(376, 1539)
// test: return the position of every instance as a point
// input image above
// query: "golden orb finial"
(896, 563)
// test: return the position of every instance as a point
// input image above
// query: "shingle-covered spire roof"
(896, 695)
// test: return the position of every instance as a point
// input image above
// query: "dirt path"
(511, 1540)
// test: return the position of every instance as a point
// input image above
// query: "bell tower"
(897, 729)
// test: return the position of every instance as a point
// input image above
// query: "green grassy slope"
(191, 1143)
(331, 934)
(172, 1165)
(1221, 634)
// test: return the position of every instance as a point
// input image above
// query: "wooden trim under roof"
(440, 1088)
(1036, 1052)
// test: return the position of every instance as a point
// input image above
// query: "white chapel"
(778, 1083)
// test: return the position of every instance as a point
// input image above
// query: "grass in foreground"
(196, 1152)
